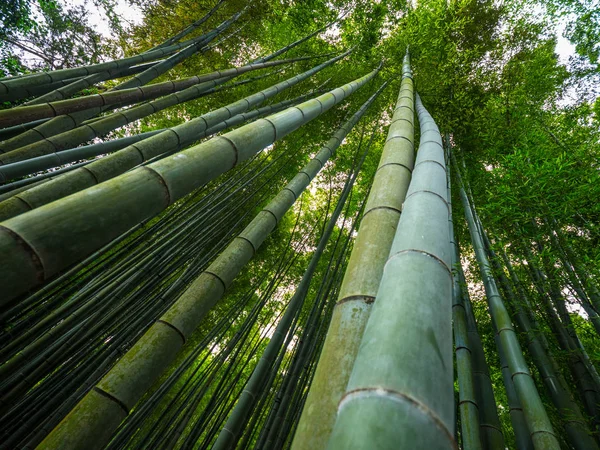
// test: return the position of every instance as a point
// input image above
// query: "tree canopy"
(520, 117)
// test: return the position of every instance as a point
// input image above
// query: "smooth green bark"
(363, 273)
(151, 355)
(36, 245)
(536, 417)
(468, 405)
(400, 393)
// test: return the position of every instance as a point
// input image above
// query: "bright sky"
(131, 14)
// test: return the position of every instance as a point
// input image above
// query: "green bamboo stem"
(29, 166)
(118, 392)
(538, 423)
(575, 425)
(230, 432)
(34, 247)
(400, 393)
(363, 273)
(491, 434)
(65, 122)
(171, 139)
(42, 78)
(125, 97)
(468, 405)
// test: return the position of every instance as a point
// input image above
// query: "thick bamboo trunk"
(400, 393)
(468, 406)
(95, 418)
(491, 434)
(124, 97)
(37, 245)
(363, 273)
(172, 139)
(230, 433)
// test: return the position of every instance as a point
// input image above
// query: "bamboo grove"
(306, 225)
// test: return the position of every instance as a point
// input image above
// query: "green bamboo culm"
(363, 273)
(578, 433)
(536, 417)
(125, 97)
(95, 418)
(468, 404)
(66, 122)
(171, 139)
(490, 428)
(32, 165)
(36, 245)
(400, 393)
(230, 433)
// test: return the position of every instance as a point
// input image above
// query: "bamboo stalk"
(400, 393)
(468, 401)
(538, 423)
(363, 273)
(171, 139)
(118, 392)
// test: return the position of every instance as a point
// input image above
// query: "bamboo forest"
(300, 224)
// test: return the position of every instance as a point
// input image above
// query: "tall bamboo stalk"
(363, 273)
(490, 427)
(468, 402)
(36, 245)
(125, 97)
(228, 436)
(171, 139)
(400, 393)
(95, 418)
(540, 428)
